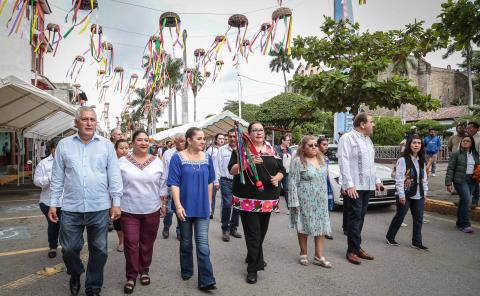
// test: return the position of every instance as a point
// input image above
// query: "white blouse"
(42, 178)
(470, 164)
(143, 185)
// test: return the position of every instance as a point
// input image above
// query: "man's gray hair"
(113, 130)
(81, 109)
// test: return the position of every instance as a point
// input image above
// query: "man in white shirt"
(213, 151)
(222, 174)
(179, 141)
(356, 158)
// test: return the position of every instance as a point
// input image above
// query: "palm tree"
(281, 61)
(197, 84)
(174, 79)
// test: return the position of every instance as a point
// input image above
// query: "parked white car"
(387, 196)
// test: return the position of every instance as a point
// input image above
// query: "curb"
(12, 178)
(448, 208)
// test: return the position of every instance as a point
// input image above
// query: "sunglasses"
(312, 145)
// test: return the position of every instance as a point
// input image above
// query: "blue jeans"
(416, 206)
(214, 194)
(167, 220)
(230, 220)
(71, 238)
(285, 188)
(53, 230)
(465, 191)
(476, 194)
(356, 210)
(205, 269)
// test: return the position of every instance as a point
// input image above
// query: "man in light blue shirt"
(85, 170)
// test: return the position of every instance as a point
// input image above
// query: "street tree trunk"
(285, 79)
(194, 106)
(469, 75)
(175, 119)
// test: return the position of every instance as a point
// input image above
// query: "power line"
(194, 13)
(264, 82)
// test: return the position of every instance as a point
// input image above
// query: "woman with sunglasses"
(256, 205)
(461, 167)
(308, 199)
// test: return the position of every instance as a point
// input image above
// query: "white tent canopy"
(219, 123)
(31, 111)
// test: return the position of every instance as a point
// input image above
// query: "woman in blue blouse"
(191, 177)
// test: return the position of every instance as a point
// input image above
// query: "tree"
(388, 131)
(173, 81)
(460, 26)
(249, 111)
(197, 84)
(475, 68)
(281, 61)
(356, 60)
(284, 111)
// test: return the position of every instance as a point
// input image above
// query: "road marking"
(18, 200)
(22, 217)
(41, 274)
(20, 252)
(19, 232)
(449, 220)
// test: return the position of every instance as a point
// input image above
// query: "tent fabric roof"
(25, 108)
(219, 123)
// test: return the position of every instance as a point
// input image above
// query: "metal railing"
(393, 152)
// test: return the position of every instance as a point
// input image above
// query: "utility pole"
(237, 66)
(185, 82)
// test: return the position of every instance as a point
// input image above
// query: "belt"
(226, 179)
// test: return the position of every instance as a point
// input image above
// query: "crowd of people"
(89, 182)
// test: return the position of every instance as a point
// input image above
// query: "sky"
(127, 27)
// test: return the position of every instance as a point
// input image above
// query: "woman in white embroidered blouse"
(143, 203)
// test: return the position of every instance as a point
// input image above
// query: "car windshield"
(332, 154)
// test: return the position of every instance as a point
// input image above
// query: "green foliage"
(321, 123)
(281, 62)
(424, 125)
(388, 131)
(284, 111)
(357, 58)
(249, 111)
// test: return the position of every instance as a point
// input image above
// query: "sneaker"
(425, 221)
(277, 210)
(120, 248)
(434, 175)
(467, 229)
(419, 247)
(404, 224)
(226, 237)
(165, 233)
(391, 242)
(235, 234)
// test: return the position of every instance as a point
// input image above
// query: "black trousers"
(416, 206)
(356, 210)
(255, 226)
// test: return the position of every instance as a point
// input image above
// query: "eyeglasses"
(312, 145)
(259, 130)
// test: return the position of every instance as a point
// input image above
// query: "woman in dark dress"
(256, 205)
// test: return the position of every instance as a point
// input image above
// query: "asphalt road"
(452, 267)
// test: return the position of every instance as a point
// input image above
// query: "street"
(450, 268)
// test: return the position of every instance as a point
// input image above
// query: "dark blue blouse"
(192, 177)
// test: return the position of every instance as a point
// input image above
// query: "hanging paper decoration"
(245, 152)
(100, 76)
(106, 107)
(118, 78)
(207, 74)
(32, 11)
(216, 47)
(199, 55)
(96, 42)
(76, 92)
(217, 70)
(154, 64)
(103, 93)
(245, 50)
(238, 21)
(77, 64)
(107, 57)
(77, 6)
(133, 81)
(262, 33)
(189, 75)
(285, 14)
(54, 36)
(171, 20)
(362, 2)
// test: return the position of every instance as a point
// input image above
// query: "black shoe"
(110, 226)
(211, 216)
(328, 237)
(52, 253)
(74, 285)
(252, 278)
(391, 242)
(208, 288)
(264, 264)
(235, 234)
(419, 247)
(186, 277)
(226, 237)
(165, 233)
(179, 237)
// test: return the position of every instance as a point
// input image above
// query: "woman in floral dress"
(256, 205)
(308, 199)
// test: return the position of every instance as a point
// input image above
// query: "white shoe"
(404, 224)
(434, 175)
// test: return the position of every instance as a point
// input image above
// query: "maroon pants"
(140, 231)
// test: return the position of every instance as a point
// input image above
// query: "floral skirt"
(254, 205)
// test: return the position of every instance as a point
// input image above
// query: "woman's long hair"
(472, 150)
(408, 149)
(301, 151)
